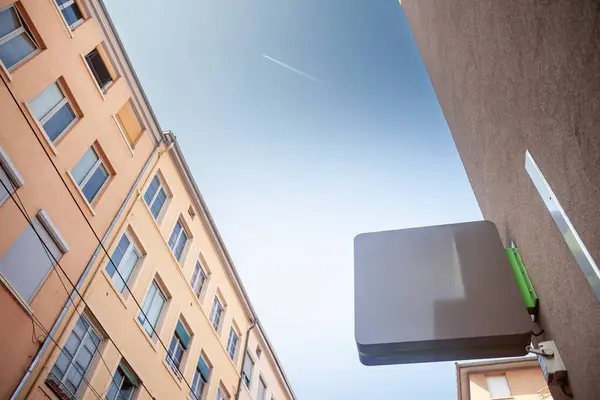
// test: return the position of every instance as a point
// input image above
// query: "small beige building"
(516, 379)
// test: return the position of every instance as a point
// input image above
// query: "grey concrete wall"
(513, 75)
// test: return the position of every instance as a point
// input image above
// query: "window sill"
(21, 301)
(145, 334)
(87, 203)
(172, 373)
(122, 299)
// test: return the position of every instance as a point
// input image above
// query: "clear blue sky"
(293, 167)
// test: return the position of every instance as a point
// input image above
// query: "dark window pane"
(59, 121)
(61, 2)
(151, 191)
(9, 21)
(158, 203)
(16, 49)
(117, 255)
(96, 181)
(99, 70)
(180, 246)
(72, 14)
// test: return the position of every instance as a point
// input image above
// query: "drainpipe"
(86, 271)
(239, 388)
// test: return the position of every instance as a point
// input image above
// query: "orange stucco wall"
(60, 57)
(524, 383)
(115, 314)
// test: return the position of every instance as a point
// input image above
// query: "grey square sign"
(437, 293)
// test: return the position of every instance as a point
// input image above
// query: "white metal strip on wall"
(569, 234)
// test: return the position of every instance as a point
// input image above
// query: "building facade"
(518, 84)
(114, 281)
(518, 379)
(75, 135)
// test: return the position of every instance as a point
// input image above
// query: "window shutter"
(26, 263)
(130, 123)
(204, 369)
(183, 335)
(498, 386)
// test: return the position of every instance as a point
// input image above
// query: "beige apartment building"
(517, 379)
(118, 285)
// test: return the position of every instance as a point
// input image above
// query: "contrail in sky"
(297, 71)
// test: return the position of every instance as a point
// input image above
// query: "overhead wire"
(21, 206)
(101, 244)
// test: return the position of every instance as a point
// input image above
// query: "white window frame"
(235, 349)
(163, 186)
(133, 247)
(15, 179)
(61, 7)
(249, 357)
(53, 111)
(22, 29)
(91, 328)
(90, 173)
(194, 282)
(213, 313)
(184, 229)
(261, 381)
(164, 295)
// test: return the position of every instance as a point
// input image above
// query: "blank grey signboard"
(437, 293)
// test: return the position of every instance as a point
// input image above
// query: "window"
(123, 384)
(155, 196)
(75, 359)
(247, 370)
(129, 123)
(27, 262)
(222, 393)
(91, 174)
(70, 12)
(10, 179)
(99, 69)
(198, 279)
(216, 313)
(498, 386)
(262, 389)
(124, 260)
(232, 342)
(178, 346)
(53, 111)
(152, 308)
(201, 376)
(16, 41)
(179, 238)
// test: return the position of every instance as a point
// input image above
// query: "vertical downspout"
(86, 271)
(239, 388)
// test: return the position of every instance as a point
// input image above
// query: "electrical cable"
(55, 262)
(94, 233)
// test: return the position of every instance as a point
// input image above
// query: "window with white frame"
(71, 12)
(247, 370)
(91, 174)
(222, 393)
(29, 260)
(155, 196)
(198, 279)
(99, 69)
(125, 258)
(177, 348)
(178, 239)
(201, 378)
(262, 389)
(151, 310)
(498, 386)
(52, 109)
(216, 314)
(232, 342)
(10, 179)
(123, 384)
(73, 363)
(17, 43)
